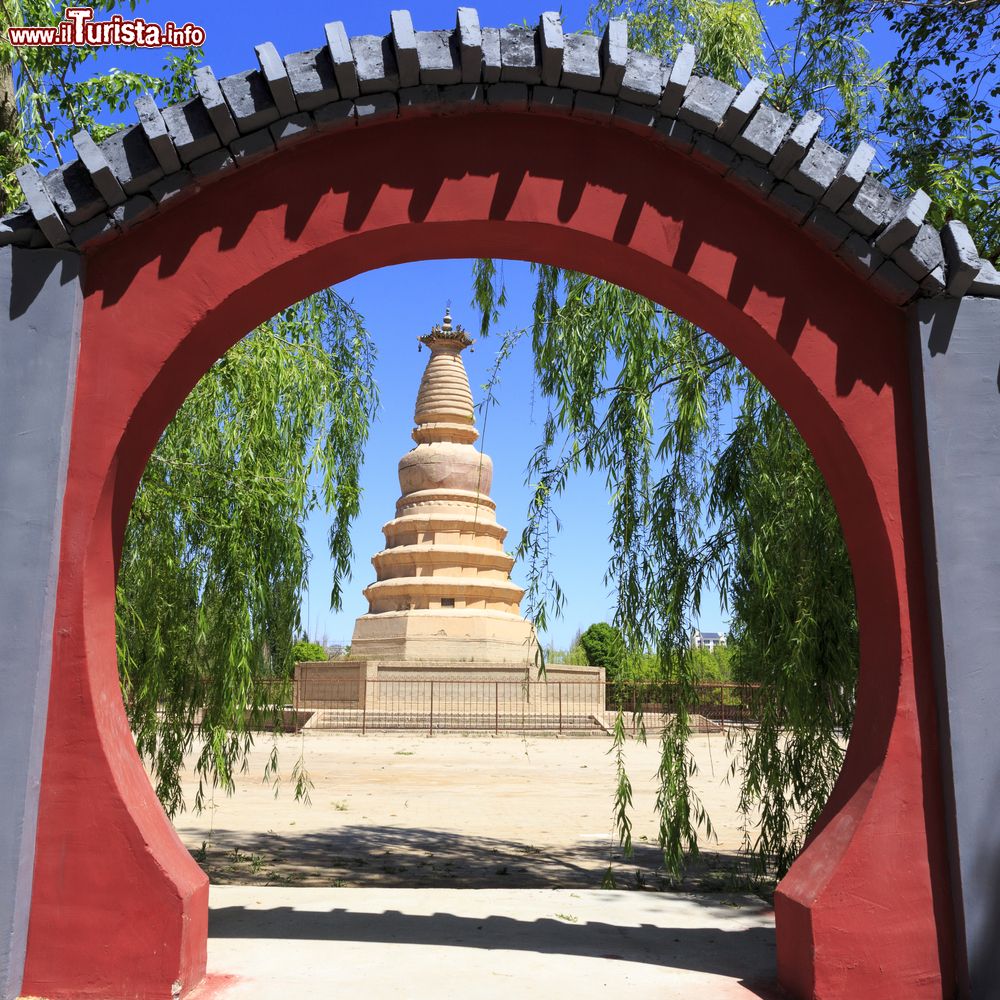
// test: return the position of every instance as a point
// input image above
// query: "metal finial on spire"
(446, 332)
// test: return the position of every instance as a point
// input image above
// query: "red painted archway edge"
(119, 908)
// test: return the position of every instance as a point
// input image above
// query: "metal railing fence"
(365, 705)
(721, 703)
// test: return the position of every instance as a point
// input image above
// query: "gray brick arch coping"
(347, 82)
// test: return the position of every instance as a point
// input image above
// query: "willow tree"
(214, 558)
(698, 501)
(47, 93)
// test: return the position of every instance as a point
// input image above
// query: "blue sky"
(402, 302)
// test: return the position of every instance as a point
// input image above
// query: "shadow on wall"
(984, 955)
(547, 143)
(956, 372)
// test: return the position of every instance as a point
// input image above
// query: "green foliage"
(935, 116)
(633, 394)
(709, 666)
(55, 96)
(713, 665)
(304, 651)
(603, 646)
(574, 656)
(637, 395)
(215, 558)
(794, 622)
(826, 68)
(726, 35)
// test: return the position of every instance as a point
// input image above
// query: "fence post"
(560, 706)
(723, 693)
(496, 708)
(364, 709)
(432, 709)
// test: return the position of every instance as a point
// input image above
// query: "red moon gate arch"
(671, 188)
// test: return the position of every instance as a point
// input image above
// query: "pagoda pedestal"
(464, 635)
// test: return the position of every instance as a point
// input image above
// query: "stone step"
(351, 719)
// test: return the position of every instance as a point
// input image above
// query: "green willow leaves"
(700, 499)
(694, 454)
(710, 484)
(49, 93)
(938, 107)
(215, 557)
(779, 557)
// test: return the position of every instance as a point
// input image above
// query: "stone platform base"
(444, 686)
(474, 636)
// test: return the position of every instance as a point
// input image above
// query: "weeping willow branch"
(709, 486)
(215, 557)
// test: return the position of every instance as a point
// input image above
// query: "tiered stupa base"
(478, 662)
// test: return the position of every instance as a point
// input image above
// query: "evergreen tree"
(603, 645)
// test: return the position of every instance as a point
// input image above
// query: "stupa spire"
(447, 333)
(444, 410)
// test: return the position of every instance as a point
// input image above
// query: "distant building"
(707, 640)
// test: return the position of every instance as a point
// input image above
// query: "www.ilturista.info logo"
(78, 27)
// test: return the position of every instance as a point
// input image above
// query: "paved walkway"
(485, 944)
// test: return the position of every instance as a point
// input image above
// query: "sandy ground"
(454, 811)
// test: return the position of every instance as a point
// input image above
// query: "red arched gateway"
(685, 191)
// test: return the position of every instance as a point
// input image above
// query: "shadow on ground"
(366, 856)
(745, 953)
